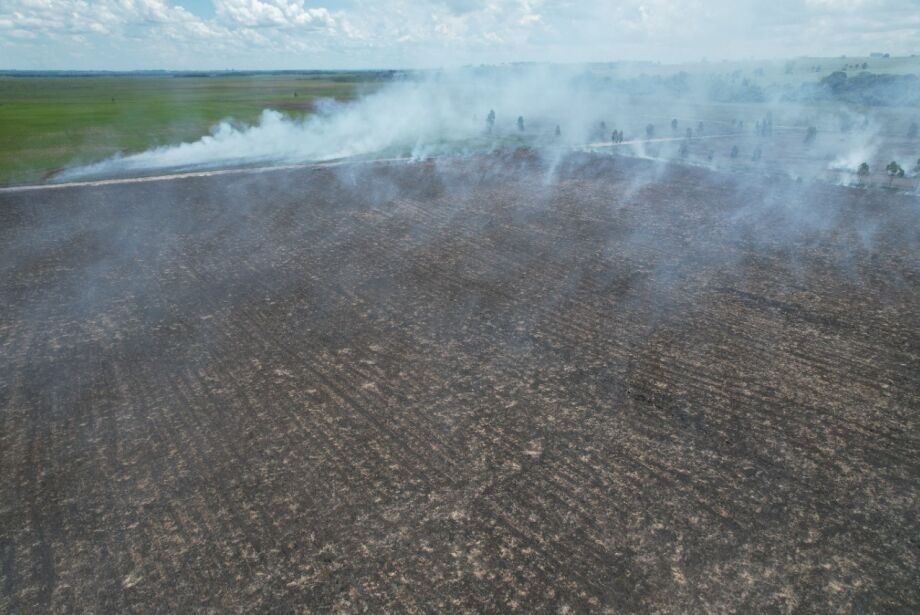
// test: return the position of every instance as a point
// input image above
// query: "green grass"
(51, 122)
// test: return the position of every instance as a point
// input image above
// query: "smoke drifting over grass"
(416, 116)
(426, 114)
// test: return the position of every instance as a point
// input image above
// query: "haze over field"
(698, 114)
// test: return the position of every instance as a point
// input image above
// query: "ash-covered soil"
(481, 385)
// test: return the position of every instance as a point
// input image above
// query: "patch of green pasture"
(50, 122)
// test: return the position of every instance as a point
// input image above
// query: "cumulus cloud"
(417, 33)
(281, 13)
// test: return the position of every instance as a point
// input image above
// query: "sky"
(335, 34)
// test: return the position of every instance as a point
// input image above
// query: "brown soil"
(460, 386)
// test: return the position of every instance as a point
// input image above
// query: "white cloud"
(281, 13)
(356, 33)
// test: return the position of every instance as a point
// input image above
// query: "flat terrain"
(53, 123)
(50, 122)
(474, 385)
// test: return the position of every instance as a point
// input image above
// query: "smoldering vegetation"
(793, 124)
(531, 379)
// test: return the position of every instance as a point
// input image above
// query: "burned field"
(478, 385)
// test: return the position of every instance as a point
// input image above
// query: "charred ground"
(463, 385)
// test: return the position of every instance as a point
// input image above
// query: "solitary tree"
(650, 131)
(863, 170)
(674, 125)
(490, 120)
(894, 169)
(520, 123)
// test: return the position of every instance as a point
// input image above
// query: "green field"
(49, 122)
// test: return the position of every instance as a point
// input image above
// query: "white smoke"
(445, 112)
(863, 146)
(415, 117)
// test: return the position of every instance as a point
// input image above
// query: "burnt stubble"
(480, 384)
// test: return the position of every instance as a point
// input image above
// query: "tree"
(650, 131)
(674, 125)
(520, 123)
(863, 170)
(894, 169)
(734, 153)
(913, 130)
(757, 154)
(684, 149)
(917, 167)
(699, 128)
(810, 135)
(490, 120)
(689, 133)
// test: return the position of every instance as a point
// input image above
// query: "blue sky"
(201, 8)
(251, 34)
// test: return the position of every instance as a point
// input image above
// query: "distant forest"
(864, 88)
